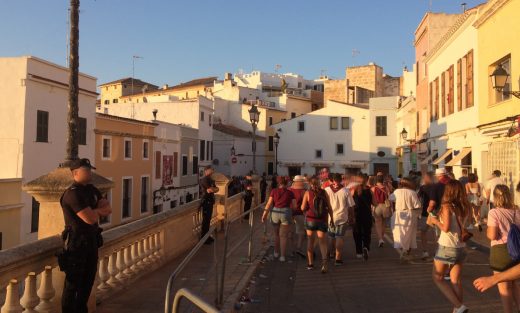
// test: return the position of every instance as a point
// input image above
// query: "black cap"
(497, 173)
(74, 165)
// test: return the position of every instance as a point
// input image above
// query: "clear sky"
(182, 40)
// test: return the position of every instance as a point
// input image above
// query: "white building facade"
(33, 109)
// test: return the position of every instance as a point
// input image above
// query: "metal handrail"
(251, 211)
(186, 260)
(199, 302)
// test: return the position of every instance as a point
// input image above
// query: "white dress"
(404, 226)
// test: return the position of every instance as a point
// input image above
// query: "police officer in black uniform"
(82, 205)
(207, 191)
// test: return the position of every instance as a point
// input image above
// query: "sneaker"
(381, 243)
(276, 255)
(425, 255)
(282, 259)
(324, 267)
(310, 267)
(338, 262)
(462, 309)
(365, 254)
(359, 256)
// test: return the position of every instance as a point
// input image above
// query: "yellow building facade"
(498, 30)
(10, 212)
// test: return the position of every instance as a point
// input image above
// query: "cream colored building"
(124, 150)
(111, 92)
(33, 113)
(10, 212)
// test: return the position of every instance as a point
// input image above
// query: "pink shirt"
(502, 218)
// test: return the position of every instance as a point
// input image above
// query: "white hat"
(440, 171)
(298, 178)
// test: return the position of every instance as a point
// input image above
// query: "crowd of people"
(422, 205)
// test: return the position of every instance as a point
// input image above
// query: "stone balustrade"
(33, 283)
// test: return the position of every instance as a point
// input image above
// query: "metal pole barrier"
(251, 223)
(222, 274)
(215, 259)
(198, 301)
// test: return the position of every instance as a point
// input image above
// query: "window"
(380, 125)
(106, 219)
(202, 116)
(436, 103)
(345, 123)
(173, 204)
(333, 123)
(319, 154)
(82, 131)
(271, 143)
(443, 94)
(145, 150)
(35, 215)
(451, 104)
(144, 194)
(459, 85)
(209, 119)
(195, 165)
(42, 126)
(293, 115)
(128, 149)
(270, 167)
(339, 148)
(211, 151)
(499, 96)
(299, 84)
(469, 78)
(175, 164)
(158, 160)
(208, 150)
(284, 119)
(107, 148)
(430, 90)
(106, 102)
(301, 126)
(126, 208)
(202, 149)
(184, 165)
(270, 120)
(114, 100)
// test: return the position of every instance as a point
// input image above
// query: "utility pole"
(72, 117)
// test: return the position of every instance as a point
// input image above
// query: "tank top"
(298, 195)
(451, 239)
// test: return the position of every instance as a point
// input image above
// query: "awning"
(444, 156)
(295, 164)
(462, 154)
(353, 164)
(429, 159)
(322, 164)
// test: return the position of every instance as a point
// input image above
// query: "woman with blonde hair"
(499, 222)
(451, 252)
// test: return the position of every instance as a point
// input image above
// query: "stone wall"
(335, 90)
(367, 76)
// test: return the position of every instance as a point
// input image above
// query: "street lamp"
(254, 116)
(404, 134)
(499, 79)
(276, 140)
(233, 151)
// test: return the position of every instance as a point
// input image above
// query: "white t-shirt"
(405, 199)
(491, 184)
(340, 202)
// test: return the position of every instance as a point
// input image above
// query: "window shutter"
(459, 85)
(451, 101)
(469, 79)
(158, 164)
(436, 98)
(175, 164)
(443, 94)
(431, 102)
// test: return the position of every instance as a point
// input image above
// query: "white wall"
(223, 143)
(384, 106)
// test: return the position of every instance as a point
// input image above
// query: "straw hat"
(298, 178)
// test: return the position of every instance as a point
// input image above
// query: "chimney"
(165, 86)
(463, 7)
(155, 114)
(228, 76)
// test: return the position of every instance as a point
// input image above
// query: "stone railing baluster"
(103, 275)
(12, 299)
(46, 292)
(30, 298)
(151, 241)
(112, 270)
(128, 261)
(121, 266)
(146, 259)
(135, 257)
(158, 248)
(140, 262)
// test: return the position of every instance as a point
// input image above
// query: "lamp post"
(254, 116)
(276, 140)
(404, 134)
(499, 79)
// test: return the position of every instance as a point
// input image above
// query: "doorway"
(294, 170)
(382, 167)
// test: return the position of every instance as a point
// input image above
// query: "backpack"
(319, 204)
(513, 240)
(380, 195)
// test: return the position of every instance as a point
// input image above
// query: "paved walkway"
(380, 285)
(146, 295)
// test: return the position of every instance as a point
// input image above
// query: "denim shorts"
(316, 226)
(281, 216)
(338, 230)
(299, 227)
(448, 255)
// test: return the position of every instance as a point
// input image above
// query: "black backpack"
(319, 204)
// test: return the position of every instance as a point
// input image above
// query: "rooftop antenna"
(134, 57)
(277, 67)
(355, 52)
(463, 7)
(322, 72)
(430, 6)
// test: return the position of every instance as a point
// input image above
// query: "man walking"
(82, 205)
(208, 190)
(490, 187)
